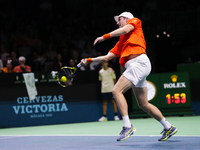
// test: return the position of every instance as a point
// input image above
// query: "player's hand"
(99, 39)
(84, 62)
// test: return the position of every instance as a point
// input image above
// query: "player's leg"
(122, 85)
(141, 97)
(119, 89)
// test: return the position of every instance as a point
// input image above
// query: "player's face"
(122, 22)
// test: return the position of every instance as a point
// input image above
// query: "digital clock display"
(177, 98)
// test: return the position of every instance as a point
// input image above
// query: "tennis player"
(131, 48)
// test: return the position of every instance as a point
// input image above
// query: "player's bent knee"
(114, 92)
(143, 106)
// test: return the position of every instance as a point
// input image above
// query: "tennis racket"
(65, 75)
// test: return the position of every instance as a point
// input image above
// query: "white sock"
(127, 122)
(165, 123)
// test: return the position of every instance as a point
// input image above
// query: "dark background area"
(30, 27)
(41, 29)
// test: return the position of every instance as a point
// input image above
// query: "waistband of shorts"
(134, 60)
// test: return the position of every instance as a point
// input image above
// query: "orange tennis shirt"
(130, 43)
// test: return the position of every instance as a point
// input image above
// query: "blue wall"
(17, 115)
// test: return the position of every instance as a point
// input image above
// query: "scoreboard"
(170, 92)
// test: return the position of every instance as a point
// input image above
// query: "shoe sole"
(128, 135)
(174, 132)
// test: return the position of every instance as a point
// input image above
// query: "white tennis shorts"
(137, 70)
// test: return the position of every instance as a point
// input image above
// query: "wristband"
(107, 36)
(89, 60)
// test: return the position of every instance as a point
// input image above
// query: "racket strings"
(68, 72)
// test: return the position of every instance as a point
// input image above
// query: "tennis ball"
(63, 79)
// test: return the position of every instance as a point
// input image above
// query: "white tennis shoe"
(103, 119)
(116, 118)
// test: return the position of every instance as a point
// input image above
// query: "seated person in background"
(75, 57)
(15, 62)
(89, 51)
(72, 63)
(1, 66)
(9, 67)
(22, 68)
(58, 63)
(4, 54)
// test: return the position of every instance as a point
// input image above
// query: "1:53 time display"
(176, 98)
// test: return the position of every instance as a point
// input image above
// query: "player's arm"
(104, 58)
(118, 32)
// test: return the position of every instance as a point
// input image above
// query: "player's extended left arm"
(118, 32)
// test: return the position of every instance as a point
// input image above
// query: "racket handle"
(79, 65)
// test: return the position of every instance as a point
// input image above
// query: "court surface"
(102, 136)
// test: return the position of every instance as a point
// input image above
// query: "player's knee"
(143, 106)
(114, 92)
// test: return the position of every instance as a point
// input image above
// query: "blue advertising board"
(53, 104)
